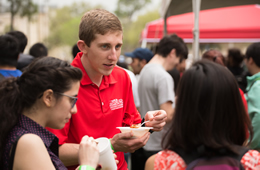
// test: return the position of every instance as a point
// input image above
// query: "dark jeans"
(139, 157)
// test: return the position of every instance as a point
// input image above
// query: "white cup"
(106, 157)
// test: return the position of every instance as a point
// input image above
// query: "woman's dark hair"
(235, 57)
(209, 110)
(22, 92)
(253, 51)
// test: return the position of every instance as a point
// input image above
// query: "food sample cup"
(106, 157)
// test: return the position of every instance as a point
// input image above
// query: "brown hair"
(97, 21)
(215, 116)
(215, 56)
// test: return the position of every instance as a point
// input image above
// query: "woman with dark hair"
(209, 113)
(44, 96)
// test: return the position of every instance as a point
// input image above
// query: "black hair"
(235, 57)
(253, 51)
(9, 50)
(75, 50)
(22, 92)
(38, 50)
(22, 39)
(170, 42)
(209, 110)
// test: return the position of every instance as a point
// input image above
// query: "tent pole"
(165, 25)
(196, 34)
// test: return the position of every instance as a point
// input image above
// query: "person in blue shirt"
(9, 53)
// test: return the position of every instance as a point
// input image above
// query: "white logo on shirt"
(116, 104)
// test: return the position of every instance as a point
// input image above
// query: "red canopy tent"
(228, 24)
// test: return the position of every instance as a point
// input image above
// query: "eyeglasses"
(74, 99)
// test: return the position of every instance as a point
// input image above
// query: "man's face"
(136, 65)
(181, 66)
(103, 53)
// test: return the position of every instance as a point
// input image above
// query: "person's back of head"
(9, 50)
(215, 56)
(38, 50)
(253, 51)
(215, 116)
(169, 42)
(97, 21)
(235, 57)
(75, 50)
(22, 39)
(23, 92)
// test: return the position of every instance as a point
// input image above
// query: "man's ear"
(250, 61)
(48, 97)
(82, 46)
(173, 53)
(143, 61)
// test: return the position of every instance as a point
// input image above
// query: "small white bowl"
(138, 132)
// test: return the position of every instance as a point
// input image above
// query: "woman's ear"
(48, 98)
(82, 46)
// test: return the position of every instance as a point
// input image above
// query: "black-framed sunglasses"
(74, 99)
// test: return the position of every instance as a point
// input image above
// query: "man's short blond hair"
(97, 21)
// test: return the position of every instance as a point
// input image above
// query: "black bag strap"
(199, 152)
(252, 84)
(12, 153)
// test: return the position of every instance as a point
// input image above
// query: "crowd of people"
(52, 111)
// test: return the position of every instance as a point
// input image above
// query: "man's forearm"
(68, 154)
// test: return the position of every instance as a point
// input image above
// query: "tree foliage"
(132, 31)
(127, 8)
(24, 7)
(64, 25)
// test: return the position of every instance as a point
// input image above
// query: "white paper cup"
(106, 157)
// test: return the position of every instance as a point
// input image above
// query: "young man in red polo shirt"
(105, 99)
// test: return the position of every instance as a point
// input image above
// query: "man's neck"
(255, 70)
(7, 68)
(158, 59)
(96, 79)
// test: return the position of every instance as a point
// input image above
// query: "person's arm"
(68, 154)
(149, 165)
(31, 154)
(167, 107)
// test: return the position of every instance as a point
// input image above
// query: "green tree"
(132, 31)
(127, 8)
(64, 25)
(25, 7)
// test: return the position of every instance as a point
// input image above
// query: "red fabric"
(101, 110)
(237, 22)
(167, 159)
(246, 108)
(243, 99)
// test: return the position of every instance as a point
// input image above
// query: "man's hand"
(123, 142)
(157, 119)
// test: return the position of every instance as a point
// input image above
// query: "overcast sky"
(108, 4)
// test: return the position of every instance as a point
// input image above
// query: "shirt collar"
(250, 79)
(106, 81)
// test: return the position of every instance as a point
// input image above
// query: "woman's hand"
(88, 152)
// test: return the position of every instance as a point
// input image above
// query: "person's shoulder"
(31, 152)
(119, 72)
(165, 159)
(251, 160)
(30, 140)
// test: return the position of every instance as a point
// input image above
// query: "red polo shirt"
(101, 109)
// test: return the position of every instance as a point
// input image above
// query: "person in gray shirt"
(155, 89)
